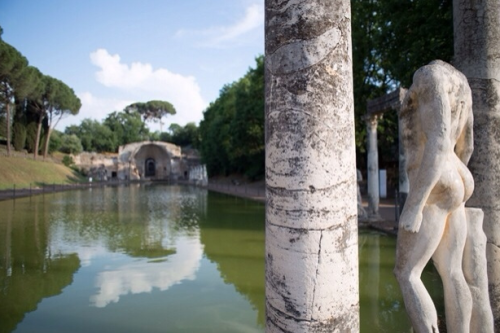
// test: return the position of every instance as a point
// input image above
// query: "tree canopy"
(152, 110)
(232, 129)
(391, 40)
(14, 81)
(48, 98)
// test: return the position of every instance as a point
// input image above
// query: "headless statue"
(436, 119)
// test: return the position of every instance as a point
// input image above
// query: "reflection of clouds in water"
(85, 253)
(142, 276)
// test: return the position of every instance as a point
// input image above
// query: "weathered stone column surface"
(311, 224)
(474, 267)
(477, 55)
(373, 177)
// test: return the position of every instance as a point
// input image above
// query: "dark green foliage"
(165, 137)
(247, 141)
(68, 161)
(391, 39)
(14, 81)
(232, 129)
(55, 143)
(126, 127)
(152, 110)
(31, 136)
(19, 136)
(50, 98)
(414, 33)
(94, 136)
(71, 144)
(3, 125)
(182, 136)
(119, 128)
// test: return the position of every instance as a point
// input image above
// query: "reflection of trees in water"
(28, 271)
(234, 240)
(139, 220)
(382, 307)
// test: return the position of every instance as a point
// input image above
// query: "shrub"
(68, 160)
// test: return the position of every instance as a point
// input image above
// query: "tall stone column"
(311, 224)
(404, 182)
(477, 55)
(373, 176)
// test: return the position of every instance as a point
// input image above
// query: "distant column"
(477, 55)
(404, 182)
(373, 177)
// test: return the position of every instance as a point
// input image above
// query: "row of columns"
(392, 102)
(198, 175)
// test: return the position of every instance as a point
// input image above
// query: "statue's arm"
(434, 116)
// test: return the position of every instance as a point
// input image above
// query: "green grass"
(23, 171)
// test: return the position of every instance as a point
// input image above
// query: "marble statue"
(436, 120)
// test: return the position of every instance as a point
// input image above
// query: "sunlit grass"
(23, 171)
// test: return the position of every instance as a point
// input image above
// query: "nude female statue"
(436, 120)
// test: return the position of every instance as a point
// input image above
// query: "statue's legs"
(414, 250)
(448, 262)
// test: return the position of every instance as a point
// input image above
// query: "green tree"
(391, 40)
(413, 33)
(31, 130)
(152, 111)
(127, 127)
(215, 131)
(247, 141)
(15, 80)
(68, 161)
(94, 136)
(71, 144)
(55, 141)
(65, 102)
(369, 71)
(184, 136)
(19, 136)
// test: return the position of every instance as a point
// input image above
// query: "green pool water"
(158, 258)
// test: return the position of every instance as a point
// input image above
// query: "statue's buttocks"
(454, 186)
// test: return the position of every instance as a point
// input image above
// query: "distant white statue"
(436, 119)
(362, 215)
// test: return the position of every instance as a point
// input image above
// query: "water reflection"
(29, 270)
(382, 305)
(142, 276)
(234, 240)
(179, 259)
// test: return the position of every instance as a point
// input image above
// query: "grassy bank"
(23, 171)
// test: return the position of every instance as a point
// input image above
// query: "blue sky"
(116, 52)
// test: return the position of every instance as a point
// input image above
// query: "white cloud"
(223, 35)
(141, 82)
(94, 108)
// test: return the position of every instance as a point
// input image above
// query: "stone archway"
(152, 161)
(150, 167)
